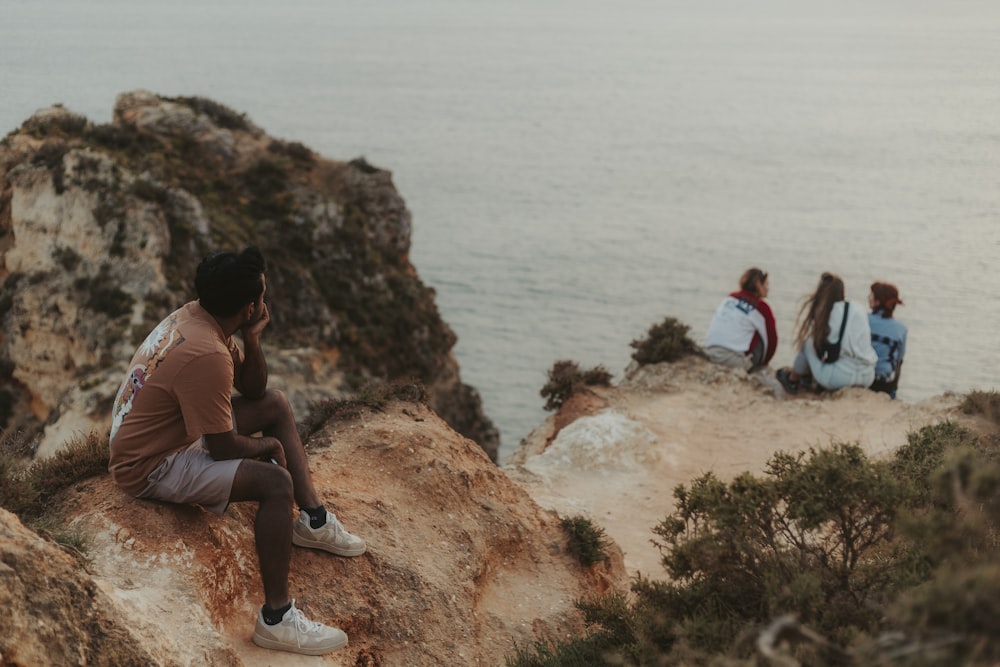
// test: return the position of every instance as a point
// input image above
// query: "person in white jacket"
(834, 338)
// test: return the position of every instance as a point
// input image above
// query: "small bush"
(566, 379)
(665, 342)
(15, 453)
(219, 114)
(50, 155)
(27, 488)
(923, 453)
(297, 151)
(960, 609)
(66, 257)
(66, 124)
(587, 542)
(113, 137)
(266, 182)
(373, 396)
(986, 403)
(151, 192)
(104, 295)
(69, 539)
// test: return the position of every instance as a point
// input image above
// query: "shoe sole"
(323, 546)
(275, 645)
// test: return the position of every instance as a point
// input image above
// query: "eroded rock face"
(102, 226)
(461, 563)
(55, 614)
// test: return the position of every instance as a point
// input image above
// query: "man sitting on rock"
(180, 435)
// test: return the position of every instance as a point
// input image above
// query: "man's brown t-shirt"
(177, 389)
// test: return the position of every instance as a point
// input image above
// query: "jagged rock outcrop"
(462, 565)
(101, 227)
(54, 613)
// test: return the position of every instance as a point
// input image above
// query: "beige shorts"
(191, 476)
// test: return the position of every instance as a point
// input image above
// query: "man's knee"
(276, 403)
(256, 480)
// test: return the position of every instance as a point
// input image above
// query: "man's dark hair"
(227, 281)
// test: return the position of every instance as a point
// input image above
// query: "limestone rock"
(55, 614)
(102, 226)
(461, 563)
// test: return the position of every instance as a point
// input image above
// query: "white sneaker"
(298, 634)
(331, 536)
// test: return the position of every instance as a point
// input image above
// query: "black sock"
(274, 616)
(317, 516)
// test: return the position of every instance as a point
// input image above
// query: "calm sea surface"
(578, 170)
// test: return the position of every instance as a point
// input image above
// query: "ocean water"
(579, 170)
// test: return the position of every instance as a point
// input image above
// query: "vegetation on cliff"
(567, 378)
(830, 557)
(665, 341)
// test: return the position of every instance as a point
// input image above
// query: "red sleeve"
(772, 331)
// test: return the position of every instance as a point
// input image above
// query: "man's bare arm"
(252, 373)
(232, 445)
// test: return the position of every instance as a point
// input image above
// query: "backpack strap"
(843, 324)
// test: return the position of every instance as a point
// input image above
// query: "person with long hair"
(888, 337)
(742, 333)
(834, 340)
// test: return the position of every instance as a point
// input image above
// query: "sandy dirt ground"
(616, 454)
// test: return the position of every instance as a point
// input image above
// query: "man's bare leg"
(271, 487)
(272, 416)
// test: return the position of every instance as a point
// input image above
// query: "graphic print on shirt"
(745, 306)
(158, 344)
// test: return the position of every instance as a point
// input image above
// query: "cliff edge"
(615, 454)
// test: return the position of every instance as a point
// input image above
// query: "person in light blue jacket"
(834, 338)
(888, 337)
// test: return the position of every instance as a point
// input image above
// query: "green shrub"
(857, 550)
(804, 539)
(923, 453)
(586, 542)
(959, 608)
(665, 342)
(66, 124)
(986, 403)
(295, 150)
(566, 379)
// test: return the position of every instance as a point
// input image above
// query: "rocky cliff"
(466, 560)
(101, 227)
(462, 565)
